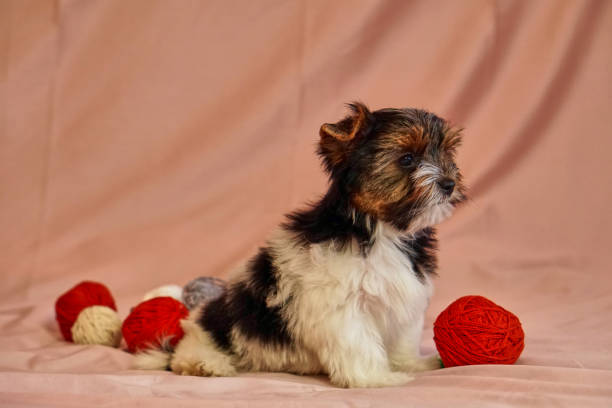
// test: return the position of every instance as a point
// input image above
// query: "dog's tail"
(153, 360)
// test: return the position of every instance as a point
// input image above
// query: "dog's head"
(396, 165)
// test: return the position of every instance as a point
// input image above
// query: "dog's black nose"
(447, 185)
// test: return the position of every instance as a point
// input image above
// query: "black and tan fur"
(342, 286)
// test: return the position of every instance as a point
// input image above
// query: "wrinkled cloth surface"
(148, 142)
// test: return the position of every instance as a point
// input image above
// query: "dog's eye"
(407, 160)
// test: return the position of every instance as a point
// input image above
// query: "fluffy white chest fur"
(346, 305)
(380, 289)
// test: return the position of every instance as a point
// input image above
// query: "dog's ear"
(337, 138)
(349, 127)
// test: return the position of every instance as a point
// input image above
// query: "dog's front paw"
(393, 379)
(416, 364)
(387, 379)
(431, 362)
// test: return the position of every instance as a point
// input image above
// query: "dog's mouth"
(457, 198)
(440, 201)
(429, 215)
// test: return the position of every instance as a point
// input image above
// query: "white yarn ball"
(173, 291)
(97, 325)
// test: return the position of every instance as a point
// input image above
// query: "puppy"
(341, 288)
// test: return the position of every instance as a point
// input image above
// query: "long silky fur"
(341, 287)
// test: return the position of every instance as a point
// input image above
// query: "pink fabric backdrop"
(149, 142)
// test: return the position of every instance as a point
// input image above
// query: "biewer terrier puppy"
(342, 287)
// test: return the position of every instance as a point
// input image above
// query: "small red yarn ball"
(154, 323)
(70, 304)
(474, 330)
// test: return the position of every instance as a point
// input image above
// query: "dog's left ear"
(337, 138)
(349, 127)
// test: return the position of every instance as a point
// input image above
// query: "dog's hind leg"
(197, 354)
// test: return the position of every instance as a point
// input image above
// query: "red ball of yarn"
(474, 330)
(154, 323)
(70, 304)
